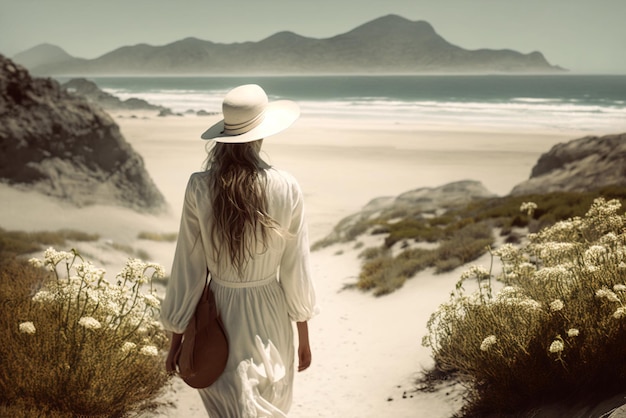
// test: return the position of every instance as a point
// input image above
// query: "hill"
(390, 44)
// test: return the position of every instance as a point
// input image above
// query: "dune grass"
(555, 331)
(158, 236)
(74, 344)
(462, 233)
(21, 242)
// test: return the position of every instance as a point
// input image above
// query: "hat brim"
(278, 116)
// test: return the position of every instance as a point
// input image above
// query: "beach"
(367, 351)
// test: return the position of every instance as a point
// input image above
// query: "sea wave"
(517, 113)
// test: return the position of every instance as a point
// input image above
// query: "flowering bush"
(556, 327)
(79, 344)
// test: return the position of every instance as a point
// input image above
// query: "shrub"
(74, 344)
(371, 253)
(21, 242)
(158, 236)
(554, 331)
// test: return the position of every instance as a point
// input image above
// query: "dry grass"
(555, 331)
(158, 236)
(60, 368)
(383, 273)
(20, 242)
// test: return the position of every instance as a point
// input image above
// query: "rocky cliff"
(582, 164)
(63, 146)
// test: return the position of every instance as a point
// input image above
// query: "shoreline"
(340, 169)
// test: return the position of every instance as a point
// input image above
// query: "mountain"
(390, 44)
(44, 54)
(583, 164)
(61, 145)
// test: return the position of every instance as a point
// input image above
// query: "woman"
(243, 221)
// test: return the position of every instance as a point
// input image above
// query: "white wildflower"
(159, 271)
(508, 292)
(36, 262)
(478, 272)
(556, 346)
(556, 250)
(620, 313)
(558, 273)
(556, 305)
(488, 342)
(528, 304)
(622, 265)
(89, 322)
(89, 272)
(595, 255)
(507, 252)
(573, 332)
(128, 346)
(152, 301)
(608, 294)
(54, 257)
(149, 350)
(27, 328)
(619, 288)
(528, 207)
(44, 296)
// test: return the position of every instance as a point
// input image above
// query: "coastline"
(366, 351)
(341, 167)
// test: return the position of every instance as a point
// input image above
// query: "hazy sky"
(586, 36)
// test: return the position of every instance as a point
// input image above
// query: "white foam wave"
(520, 112)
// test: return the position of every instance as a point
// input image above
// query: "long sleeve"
(295, 266)
(189, 268)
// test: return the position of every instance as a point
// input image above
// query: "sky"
(584, 36)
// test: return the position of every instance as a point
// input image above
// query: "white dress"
(257, 308)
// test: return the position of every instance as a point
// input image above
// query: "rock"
(165, 112)
(91, 91)
(61, 145)
(418, 202)
(583, 164)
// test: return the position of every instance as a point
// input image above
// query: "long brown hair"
(239, 201)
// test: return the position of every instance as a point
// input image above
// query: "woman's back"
(284, 207)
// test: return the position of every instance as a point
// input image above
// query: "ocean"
(562, 103)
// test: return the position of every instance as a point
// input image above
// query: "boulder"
(62, 145)
(583, 164)
(422, 202)
(91, 91)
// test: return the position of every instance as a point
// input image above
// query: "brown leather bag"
(202, 355)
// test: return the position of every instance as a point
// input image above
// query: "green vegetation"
(158, 236)
(556, 330)
(463, 233)
(20, 242)
(72, 343)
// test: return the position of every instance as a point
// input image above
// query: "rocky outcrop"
(91, 91)
(584, 164)
(63, 146)
(422, 202)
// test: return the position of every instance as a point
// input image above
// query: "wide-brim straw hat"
(249, 116)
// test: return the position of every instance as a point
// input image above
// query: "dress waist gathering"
(239, 285)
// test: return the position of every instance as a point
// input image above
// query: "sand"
(366, 351)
